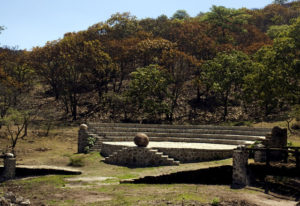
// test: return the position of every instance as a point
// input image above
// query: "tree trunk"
(225, 106)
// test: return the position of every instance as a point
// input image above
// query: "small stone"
(10, 196)
(19, 200)
(25, 202)
(141, 140)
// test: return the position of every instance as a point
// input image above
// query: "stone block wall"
(184, 155)
(139, 157)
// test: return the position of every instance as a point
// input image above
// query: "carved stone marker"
(141, 140)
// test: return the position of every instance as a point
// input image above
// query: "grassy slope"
(59, 190)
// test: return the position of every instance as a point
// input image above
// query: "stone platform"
(179, 151)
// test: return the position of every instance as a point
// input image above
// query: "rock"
(25, 202)
(10, 196)
(19, 200)
(83, 127)
(141, 140)
(4, 202)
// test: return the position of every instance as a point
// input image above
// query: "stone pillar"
(278, 138)
(9, 171)
(239, 168)
(82, 138)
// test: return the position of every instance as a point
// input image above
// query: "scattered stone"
(141, 140)
(26, 202)
(19, 200)
(42, 149)
(10, 199)
(10, 196)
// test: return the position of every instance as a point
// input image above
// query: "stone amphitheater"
(169, 144)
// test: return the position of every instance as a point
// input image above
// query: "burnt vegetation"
(223, 65)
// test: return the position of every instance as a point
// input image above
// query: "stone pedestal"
(82, 138)
(9, 171)
(239, 170)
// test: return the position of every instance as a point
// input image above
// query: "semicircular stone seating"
(109, 135)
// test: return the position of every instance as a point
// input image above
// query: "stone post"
(239, 168)
(82, 138)
(9, 171)
(277, 139)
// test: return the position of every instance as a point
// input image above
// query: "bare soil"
(99, 183)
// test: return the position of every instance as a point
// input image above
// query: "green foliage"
(225, 73)
(215, 201)
(280, 1)
(91, 141)
(181, 15)
(148, 91)
(76, 161)
(16, 123)
(277, 31)
(226, 19)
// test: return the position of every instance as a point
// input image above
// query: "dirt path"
(262, 199)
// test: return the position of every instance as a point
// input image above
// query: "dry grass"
(61, 144)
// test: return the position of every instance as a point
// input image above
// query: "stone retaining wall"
(140, 157)
(183, 155)
(195, 155)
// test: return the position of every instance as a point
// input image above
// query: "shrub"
(215, 202)
(76, 161)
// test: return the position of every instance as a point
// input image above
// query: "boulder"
(141, 140)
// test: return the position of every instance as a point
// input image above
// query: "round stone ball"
(83, 127)
(141, 140)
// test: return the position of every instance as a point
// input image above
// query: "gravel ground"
(180, 145)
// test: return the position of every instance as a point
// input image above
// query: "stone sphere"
(83, 127)
(141, 140)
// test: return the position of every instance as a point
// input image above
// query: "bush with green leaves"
(90, 143)
(148, 92)
(76, 161)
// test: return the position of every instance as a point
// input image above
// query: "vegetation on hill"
(226, 64)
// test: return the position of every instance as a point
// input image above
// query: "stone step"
(188, 138)
(187, 135)
(213, 127)
(197, 140)
(105, 130)
(118, 157)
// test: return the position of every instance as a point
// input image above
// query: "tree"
(227, 20)
(46, 62)
(224, 75)
(16, 123)
(181, 15)
(179, 67)
(148, 92)
(277, 30)
(281, 2)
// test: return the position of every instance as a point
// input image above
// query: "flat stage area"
(202, 146)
